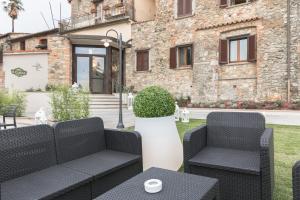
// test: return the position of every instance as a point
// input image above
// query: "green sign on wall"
(19, 72)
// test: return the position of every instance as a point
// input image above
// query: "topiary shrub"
(153, 102)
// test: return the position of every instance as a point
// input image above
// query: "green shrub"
(15, 98)
(152, 102)
(50, 87)
(69, 104)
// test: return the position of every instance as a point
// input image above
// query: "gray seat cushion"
(102, 163)
(44, 184)
(228, 159)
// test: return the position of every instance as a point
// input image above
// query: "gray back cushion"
(78, 138)
(26, 150)
(237, 130)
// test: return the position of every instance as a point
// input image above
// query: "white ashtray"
(153, 186)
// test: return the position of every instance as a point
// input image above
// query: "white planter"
(162, 146)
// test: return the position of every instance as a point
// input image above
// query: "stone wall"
(60, 61)
(155, 36)
(86, 7)
(208, 81)
(295, 50)
(80, 7)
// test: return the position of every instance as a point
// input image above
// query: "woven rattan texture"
(176, 186)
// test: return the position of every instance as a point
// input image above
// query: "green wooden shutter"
(223, 52)
(173, 58)
(252, 48)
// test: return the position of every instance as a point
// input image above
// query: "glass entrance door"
(97, 74)
(91, 71)
(83, 72)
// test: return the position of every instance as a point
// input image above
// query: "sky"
(30, 20)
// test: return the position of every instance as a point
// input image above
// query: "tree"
(13, 7)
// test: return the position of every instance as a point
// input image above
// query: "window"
(90, 50)
(185, 56)
(236, 2)
(225, 3)
(22, 45)
(181, 56)
(238, 50)
(184, 7)
(142, 60)
(43, 44)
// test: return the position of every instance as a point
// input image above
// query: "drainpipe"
(288, 52)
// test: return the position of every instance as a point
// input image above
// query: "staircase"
(102, 102)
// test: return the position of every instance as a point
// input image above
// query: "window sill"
(184, 68)
(184, 16)
(239, 63)
(142, 72)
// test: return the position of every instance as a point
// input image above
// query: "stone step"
(103, 97)
(96, 107)
(104, 102)
(100, 102)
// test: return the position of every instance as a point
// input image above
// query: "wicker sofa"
(296, 181)
(237, 149)
(76, 160)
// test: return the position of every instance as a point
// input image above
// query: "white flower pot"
(162, 146)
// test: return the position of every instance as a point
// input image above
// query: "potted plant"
(154, 108)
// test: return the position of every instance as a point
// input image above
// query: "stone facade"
(208, 81)
(295, 49)
(274, 76)
(60, 61)
(82, 8)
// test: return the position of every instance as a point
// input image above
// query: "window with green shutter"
(238, 49)
(181, 56)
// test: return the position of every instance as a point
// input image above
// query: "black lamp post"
(106, 44)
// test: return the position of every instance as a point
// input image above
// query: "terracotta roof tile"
(227, 23)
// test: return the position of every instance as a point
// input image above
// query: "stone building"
(29, 61)
(75, 52)
(239, 50)
(209, 50)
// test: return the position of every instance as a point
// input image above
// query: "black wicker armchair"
(9, 112)
(296, 181)
(237, 149)
(78, 162)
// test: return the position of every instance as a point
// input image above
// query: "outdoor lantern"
(40, 117)
(130, 101)
(75, 87)
(185, 116)
(106, 44)
(177, 112)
